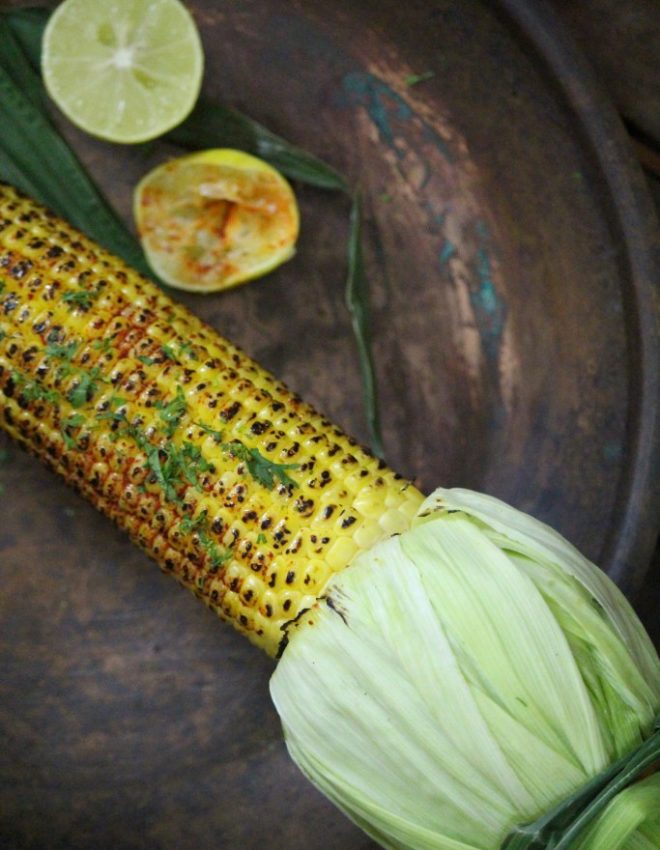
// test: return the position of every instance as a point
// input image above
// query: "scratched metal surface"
(505, 316)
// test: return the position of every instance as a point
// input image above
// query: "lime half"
(211, 220)
(123, 70)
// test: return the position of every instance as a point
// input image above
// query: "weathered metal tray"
(509, 245)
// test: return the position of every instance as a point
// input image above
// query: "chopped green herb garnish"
(85, 388)
(33, 390)
(193, 462)
(169, 353)
(263, 471)
(261, 538)
(62, 352)
(112, 415)
(3, 334)
(414, 79)
(199, 525)
(148, 361)
(87, 380)
(216, 555)
(187, 349)
(111, 412)
(188, 525)
(75, 421)
(166, 481)
(172, 412)
(218, 436)
(103, 345)
(171, 466)
(64, 370)
(81, 299)
(138, 436)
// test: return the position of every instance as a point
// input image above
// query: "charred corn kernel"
(247, 495)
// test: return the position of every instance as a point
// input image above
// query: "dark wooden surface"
(504, 321)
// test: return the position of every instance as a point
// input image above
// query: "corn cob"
(245, 494)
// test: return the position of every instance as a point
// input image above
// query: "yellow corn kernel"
(245, 494)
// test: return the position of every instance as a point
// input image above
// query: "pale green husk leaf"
(463, 678)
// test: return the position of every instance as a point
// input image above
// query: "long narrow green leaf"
(28, 26)
(17, 64)
(357, 302)
(212, 125)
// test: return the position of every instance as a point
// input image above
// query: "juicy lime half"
(214, 219)
(123, 70)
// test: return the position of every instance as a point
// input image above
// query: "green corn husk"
(630, 822)
(464, 678)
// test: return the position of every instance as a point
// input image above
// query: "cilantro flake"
(187, 349)
(188, 524)
(103, 345)
(218, 436)
(162, 474)
(33, 390)
(72, 422)
(199, 525)
(172, 412)
(111, 411)
(62, 352)
(169, 353)
(216, 556)
(80, 299)
(192, 455)
(264, 471)
(84, 390)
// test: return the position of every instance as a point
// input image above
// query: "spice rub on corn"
(235, 486)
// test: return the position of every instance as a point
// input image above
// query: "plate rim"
(628, 549)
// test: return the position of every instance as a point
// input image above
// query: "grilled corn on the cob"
(243, 492)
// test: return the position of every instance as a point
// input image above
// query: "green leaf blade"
(212, 125)
(357, 302)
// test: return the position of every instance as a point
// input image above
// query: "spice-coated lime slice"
(123, 70)
(214, 219)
